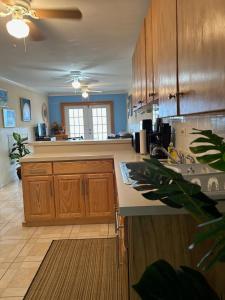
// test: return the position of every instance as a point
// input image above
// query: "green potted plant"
(18, 151)
(160, 281)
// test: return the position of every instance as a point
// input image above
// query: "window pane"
(76, 122)
(70, 113)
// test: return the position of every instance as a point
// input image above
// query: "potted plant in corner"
(18, 150)
(161, 281)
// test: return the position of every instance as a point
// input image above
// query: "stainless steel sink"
(212, 182)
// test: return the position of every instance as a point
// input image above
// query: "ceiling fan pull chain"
(25, 45)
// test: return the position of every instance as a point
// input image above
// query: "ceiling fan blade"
(36, 34)
(93, 91)
(59, 13)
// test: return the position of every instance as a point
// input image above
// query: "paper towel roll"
(143, 146)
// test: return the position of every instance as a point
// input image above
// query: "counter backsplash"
(183, 127)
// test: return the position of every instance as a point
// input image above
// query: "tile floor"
(23, 248)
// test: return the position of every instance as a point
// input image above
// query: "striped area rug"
(80, 270)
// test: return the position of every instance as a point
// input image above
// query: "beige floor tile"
(7, 214)
(3, 225)
(15, 231)
(12, 293)
(53, 232)
(34, 250)
(9, 249)
(17, 279)
(90, 231)
(10, 204)
(3, 268)
(11, 298)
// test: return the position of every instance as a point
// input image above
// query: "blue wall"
(119, 101)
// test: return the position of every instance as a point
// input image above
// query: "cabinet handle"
(86, 188)
(51, 189)
(172, 96)
(82, 187)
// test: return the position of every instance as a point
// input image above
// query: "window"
(91, 121)
(76, 122)
(99, 120)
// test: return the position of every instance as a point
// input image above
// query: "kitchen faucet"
(182, 157)
(162, 149)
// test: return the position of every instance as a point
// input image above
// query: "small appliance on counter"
(136, 142)
(147, 126)
(41, 133)
(161, 137)
(141, 139)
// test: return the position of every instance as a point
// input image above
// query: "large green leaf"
(19, 148)
(161, 282)
(215, 232)
(209, 142)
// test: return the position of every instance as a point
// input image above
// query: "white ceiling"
(101, 43)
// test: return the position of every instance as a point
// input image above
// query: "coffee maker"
(160, 137)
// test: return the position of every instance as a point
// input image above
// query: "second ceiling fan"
(23, 19)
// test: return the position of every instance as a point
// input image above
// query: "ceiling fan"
(85, 91)
(23, 19)
(77, 79)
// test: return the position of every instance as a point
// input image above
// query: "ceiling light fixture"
(18, 28)
(76, 84)
(85, 94)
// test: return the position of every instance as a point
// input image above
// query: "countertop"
(79, 142)
(130, 201)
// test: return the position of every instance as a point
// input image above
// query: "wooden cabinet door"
(201, 43)
(38, 193)
(100, 196)
(142, 57)
(69, 196)
(149, 58)
(135, 78)
(165, 56)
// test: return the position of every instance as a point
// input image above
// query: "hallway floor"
(22, 249)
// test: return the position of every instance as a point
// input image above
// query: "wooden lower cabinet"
(62, 198)
(167, 237)
(69, 196)
(38, 192)
(99, 195)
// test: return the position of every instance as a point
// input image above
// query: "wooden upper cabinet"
(142, 57)
(150, 88)
(139, 96)
(38, 193)
(100, 198)
(69, 196)
(201, 40)
(165, 47)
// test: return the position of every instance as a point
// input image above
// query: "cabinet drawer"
(80, 167)
(29, 169)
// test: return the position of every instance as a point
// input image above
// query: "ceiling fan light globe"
(85, 95)
(18, 28)
(76, 84)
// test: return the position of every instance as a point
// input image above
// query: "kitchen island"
(149, 230)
